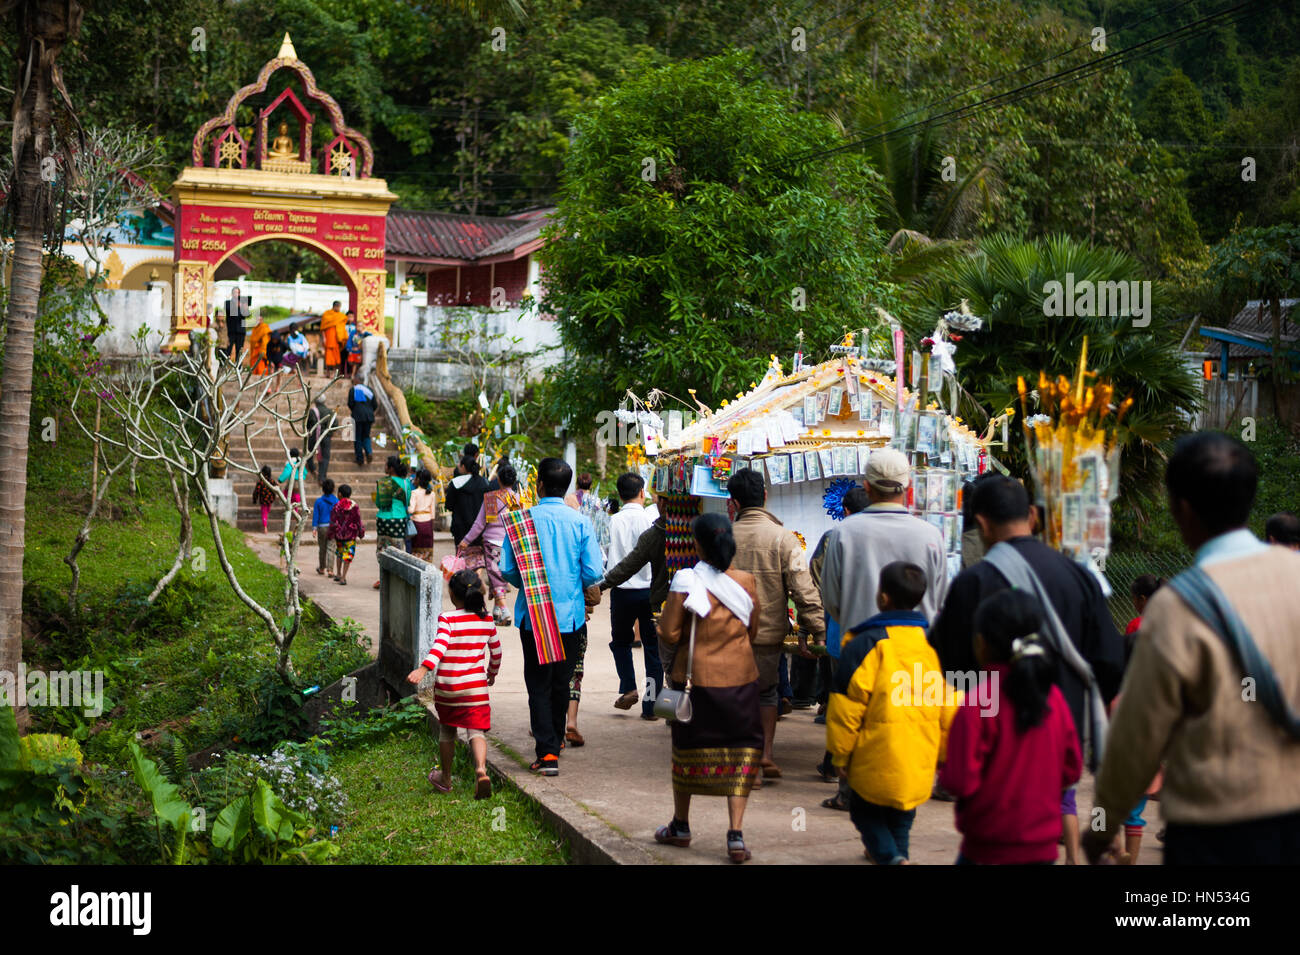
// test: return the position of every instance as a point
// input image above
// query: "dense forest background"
(1142, 151)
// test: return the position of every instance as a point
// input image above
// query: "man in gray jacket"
(883, 533)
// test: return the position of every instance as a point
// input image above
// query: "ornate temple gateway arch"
(239, 193)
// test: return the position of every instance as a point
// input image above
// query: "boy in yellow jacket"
(890, 710)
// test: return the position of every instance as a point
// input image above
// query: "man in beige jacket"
(775, 557)
(1231, 792)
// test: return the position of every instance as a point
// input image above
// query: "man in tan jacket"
(775, 557)
(1231, 791)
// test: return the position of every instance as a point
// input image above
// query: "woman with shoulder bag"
(480, 548)
(709, 623)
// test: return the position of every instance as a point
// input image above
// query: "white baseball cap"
(888, 470)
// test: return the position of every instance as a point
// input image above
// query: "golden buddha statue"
(283, 147)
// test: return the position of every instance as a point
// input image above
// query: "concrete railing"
(393, 403)
(410, 599)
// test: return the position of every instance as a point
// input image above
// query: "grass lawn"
(196, 664)
(196, 670)
(397, 818)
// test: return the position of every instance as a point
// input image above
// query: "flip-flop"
(483, 787)
(771, 770)
(834, 802)
(441, 787)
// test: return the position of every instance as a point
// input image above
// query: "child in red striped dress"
(460, 682)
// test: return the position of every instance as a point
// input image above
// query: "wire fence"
(1123, 567)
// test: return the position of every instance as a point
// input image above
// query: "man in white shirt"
(630, 602)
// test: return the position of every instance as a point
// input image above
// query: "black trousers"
(626, 608)
(1271, 841)
(361, 440)
(236, 345)
(803, 677)
(548, 691)
(324, 465)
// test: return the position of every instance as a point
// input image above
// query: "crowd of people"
(1193, 705)
(272, 350)
(996, 690)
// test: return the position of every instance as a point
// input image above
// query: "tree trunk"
(83, 535)
(185, 545)
(42, 27)
(16, 404)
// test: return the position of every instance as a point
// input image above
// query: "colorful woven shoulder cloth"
(679, 510)
(522, 534)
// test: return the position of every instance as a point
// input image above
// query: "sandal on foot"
(435, 780)
(835, 802)
(483, 787)
(771, 770)
(736, 850)
(674, 834)
(573, 736)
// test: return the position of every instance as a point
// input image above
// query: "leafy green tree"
(503, 118)
(692, 244)
(1175, 111)
(1005, 284)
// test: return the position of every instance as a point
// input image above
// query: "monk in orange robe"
(257, 340)
(332, 334)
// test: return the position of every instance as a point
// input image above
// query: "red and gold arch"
(275, 185)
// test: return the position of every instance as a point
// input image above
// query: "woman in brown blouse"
(719, 751)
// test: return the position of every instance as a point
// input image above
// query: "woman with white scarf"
(718, 753)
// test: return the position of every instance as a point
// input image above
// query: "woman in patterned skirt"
(390, 522)
(719, 751)
(423, 501)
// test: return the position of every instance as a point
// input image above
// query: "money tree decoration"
(1074, 444)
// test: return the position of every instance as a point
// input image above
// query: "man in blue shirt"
(572, 561)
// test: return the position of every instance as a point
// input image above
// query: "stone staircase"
(343, 468)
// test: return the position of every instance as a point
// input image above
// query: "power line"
(1107, 61)
(1025, 68)
(1124, 57)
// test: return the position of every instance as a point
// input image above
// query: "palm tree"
(933, 216)
(42, 29)
(1004, 283)
(929, 193)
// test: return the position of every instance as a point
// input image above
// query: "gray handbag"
(676, 704)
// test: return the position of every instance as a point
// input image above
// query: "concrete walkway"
(622, 775)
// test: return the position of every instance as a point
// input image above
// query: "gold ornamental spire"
(287, 51)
